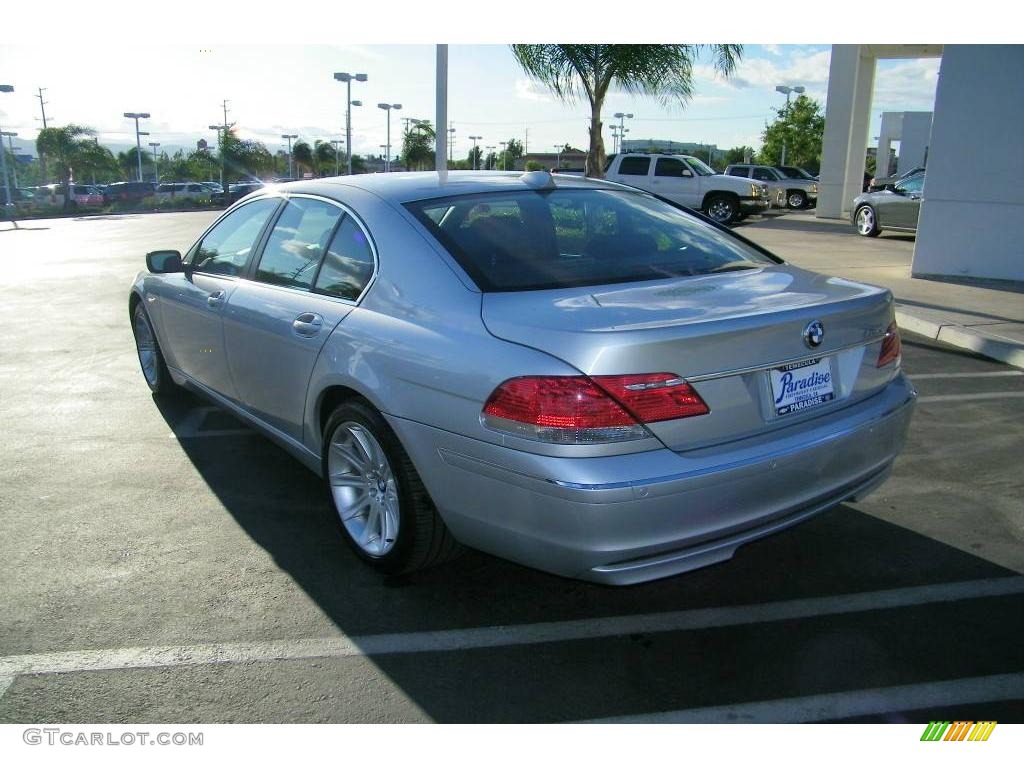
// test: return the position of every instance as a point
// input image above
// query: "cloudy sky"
(290, 89)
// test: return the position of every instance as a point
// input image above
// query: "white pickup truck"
(690, 182)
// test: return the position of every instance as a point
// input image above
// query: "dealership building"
(972, 215)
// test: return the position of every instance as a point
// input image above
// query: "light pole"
(558, 156)
(347, 79)
(156, 161)
(504, 153)
(615, 139)
(291, 136)
(221, 144)
(787, 89)
(475, 139)
(451, 143)
(623, 116)
(337, 166)
(387, 108)
(490, 151)
(384, 153)
(8, 200)
(10, 148)
(136, 116)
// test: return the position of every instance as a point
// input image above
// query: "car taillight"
(580, 410)
(892, 348)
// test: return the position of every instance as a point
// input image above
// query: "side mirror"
(896, 190)
(687, 173)
(163, 262)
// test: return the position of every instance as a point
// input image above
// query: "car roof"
(409, 186)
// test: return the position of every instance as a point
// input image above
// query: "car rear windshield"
(538, 240)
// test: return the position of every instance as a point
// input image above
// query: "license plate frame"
(801, 386)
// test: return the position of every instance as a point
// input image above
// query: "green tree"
(738, 155)
(96, 163)
(801, 127)
(324, 158)
(508, 157)
(358, 164)
(418, 146)
(473, 159)
(244, 158)
(129, 163)
(63, 145)
(662, 71)
(302, 158)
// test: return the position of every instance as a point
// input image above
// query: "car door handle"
(216, 298)
(308, 324)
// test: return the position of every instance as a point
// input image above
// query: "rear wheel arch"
(329, 400)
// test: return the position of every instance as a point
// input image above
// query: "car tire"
(377, 498)
(722, 208)
(866, 221)
(796, 199)
(151, 358)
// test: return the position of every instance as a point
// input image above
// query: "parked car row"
(99, 195)
(794, 189)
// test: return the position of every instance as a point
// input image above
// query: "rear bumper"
(633, 518)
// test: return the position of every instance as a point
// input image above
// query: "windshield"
(536, 240)
(700, 167)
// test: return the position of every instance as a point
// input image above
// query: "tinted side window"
(763, 174)
(669, 166)
(296, 243)
(744, 172)
(225, 250)
(913, 184)
(634, 166)
(348, 264)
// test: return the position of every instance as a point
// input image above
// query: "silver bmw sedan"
(568, 373)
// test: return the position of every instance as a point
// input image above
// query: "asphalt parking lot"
(160, 563)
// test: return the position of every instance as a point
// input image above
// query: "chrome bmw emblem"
(814, 334)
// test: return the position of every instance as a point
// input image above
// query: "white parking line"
(846, 704)
(976, 396)
(984, 375)
(499, 636)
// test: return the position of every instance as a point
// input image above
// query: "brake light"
(892, 348)
(578, 410)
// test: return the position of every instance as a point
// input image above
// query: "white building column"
(972, 217)
(851, 80)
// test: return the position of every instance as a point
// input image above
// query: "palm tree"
(418, 146)
(302, 156)
(324, 157)
(663, 71)
(63, 146)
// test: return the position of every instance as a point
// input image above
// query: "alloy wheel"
(865, 221)
(363, 488)
(145, 344)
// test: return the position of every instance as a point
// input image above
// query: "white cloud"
(773, 49)
(530, 90)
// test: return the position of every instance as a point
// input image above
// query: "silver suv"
(786, 192)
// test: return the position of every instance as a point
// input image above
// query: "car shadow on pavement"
(284, 509)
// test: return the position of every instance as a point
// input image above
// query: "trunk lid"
(723, 333)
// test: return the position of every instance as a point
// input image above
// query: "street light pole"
(347, 79)
(787, 89)
(622, 125)
(8, 200)
(156, 162)
(558, 156)
(138, 141)
(475, 139)
(10, 147)
(289, 136)
(387, 108)
(504, 153)
(337, 165)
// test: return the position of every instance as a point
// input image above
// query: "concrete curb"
(962, 336)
